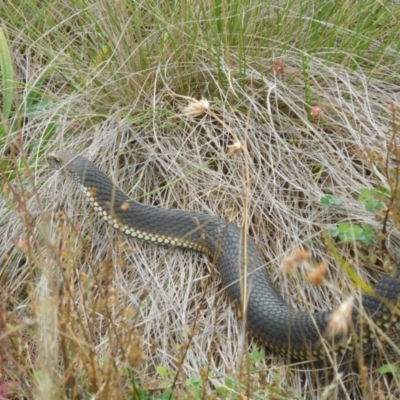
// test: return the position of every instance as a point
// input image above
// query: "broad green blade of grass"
(7, 75)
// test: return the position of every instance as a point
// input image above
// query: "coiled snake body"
(277, 325)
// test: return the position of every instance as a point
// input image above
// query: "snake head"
(70, 164)
(61, 159)
(82, 172)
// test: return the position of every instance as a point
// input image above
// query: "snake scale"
(276, 324)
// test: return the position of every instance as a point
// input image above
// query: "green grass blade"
(7, 75)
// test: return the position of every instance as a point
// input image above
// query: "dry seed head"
(295, 259)
(61, 215)
(135, 355)
(196, 108)
(278, 67)
(393, 107)
(315, 111)
(340, 321)
(235, 148)
(317, 276)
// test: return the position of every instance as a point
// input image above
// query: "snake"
(277, 325)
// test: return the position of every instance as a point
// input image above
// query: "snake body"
(293, 333)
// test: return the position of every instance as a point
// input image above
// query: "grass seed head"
(295, 259)
(317, 275)
(235, 148)
(340, 321)
(315, 111)
(393, 107)
(196, 108)
(278, 66)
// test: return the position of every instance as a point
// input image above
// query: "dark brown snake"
(297, 334)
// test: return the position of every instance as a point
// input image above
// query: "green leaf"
(163, 371)
(370, 197)
(256, 355)
(221, 390)
(388, 369)
(348, 233)
(330, 200)
(368, 235)
(194, 381)
(229, 383)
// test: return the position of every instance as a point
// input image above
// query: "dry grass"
(89, 313)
